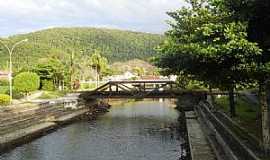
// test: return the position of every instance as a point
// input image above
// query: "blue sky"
(22, 16)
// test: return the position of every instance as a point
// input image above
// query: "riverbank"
(22, 124)
(228, 140)
(212, 134)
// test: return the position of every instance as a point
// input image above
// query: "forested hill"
(116, 45)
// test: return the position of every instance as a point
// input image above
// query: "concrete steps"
(11, 121)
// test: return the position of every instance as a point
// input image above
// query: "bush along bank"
(24, 123)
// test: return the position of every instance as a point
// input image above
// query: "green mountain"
(116, 45)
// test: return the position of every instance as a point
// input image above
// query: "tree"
(257, 16)
(99, 63)
(60, 71)
(115, 45)
(45, 71)
(53, 70)
(208, 45)
(26, 82)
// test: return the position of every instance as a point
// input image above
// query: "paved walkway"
(199, 147)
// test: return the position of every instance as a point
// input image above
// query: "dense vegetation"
(115, 45)
(61, 57)
(224, 44)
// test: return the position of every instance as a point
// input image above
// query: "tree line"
(116, 45)
(224, 44)
(51, 75)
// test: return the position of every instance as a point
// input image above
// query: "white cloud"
(141, 15)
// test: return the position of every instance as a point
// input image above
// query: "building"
(126, 76)
(4, 75)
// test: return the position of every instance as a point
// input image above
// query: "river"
(144, 130)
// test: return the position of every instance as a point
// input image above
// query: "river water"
(144, 130)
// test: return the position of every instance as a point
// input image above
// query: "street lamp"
(10, 51)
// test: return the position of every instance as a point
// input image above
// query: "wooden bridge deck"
(136, 95)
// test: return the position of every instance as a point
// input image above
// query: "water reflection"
(135, 131)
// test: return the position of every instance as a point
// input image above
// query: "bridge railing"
(139, 85)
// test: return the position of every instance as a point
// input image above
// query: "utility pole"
(71, 69)
(97, 77)
(10, 51)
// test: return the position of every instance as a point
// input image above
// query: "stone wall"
(23, 123)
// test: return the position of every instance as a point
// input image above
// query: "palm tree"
(98, 63)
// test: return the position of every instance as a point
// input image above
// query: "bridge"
(137, 89)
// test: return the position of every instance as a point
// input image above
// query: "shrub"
(4, 82)
(15, 93)
(4, 89)
(4, 99)
(4, 86)
(47, 85)
(26, 82)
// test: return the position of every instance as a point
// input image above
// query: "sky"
(23, 16)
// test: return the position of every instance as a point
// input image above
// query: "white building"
(173, 77)
(126, 76)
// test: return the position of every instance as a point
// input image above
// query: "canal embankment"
(229, 140)
(198, 147)
(23, 123)
(212, 134)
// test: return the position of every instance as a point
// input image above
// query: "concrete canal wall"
(213, 135)
(221, 132)
(22, 124)
(200, 148)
